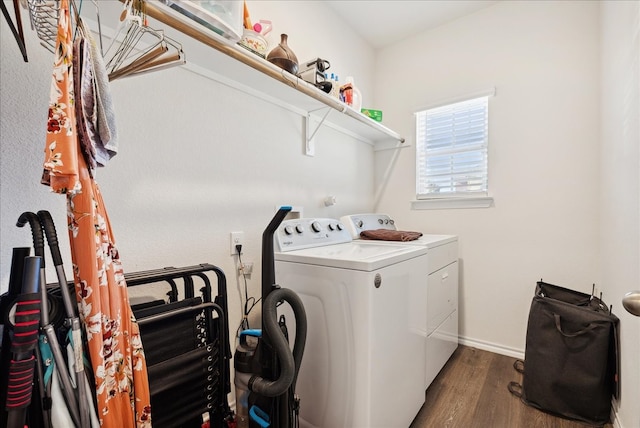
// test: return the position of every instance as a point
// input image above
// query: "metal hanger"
(167, 60)
(43, 15)
(128, 20)
(78, 9)
(137, 48)
(141, 44)
(95, 3)
(168, 54)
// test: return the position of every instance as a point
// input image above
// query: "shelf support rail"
(310, 149)
(166, 15)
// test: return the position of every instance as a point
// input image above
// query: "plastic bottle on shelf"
(335, 86)
(346, 93)
(353, 96)
(340, 91)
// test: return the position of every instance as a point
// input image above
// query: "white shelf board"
(256, 75)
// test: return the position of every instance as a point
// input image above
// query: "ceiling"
(385, 22)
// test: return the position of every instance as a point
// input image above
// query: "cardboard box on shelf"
(373, 114)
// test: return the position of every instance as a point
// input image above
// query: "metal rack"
(186, 345)
(186, 342)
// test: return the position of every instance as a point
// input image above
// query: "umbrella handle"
(36, 231)
(38, 247)
(23, 362)
(52, 239)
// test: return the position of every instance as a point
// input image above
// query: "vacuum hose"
(289, 363)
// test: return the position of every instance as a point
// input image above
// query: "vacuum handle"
(268, 268)
(276, 220)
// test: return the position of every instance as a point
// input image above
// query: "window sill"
(452, 203)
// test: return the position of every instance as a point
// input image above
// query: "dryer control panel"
(357, 223)
(296, 234)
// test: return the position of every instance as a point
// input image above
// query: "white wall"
(542, 58)
(620, 190)
(198, 159)
(563, 163)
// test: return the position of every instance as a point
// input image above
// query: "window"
(451, 150)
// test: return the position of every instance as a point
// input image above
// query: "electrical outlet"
(237, 238)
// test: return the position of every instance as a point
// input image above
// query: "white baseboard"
(616, 420)
(492, 347)
(614, 414)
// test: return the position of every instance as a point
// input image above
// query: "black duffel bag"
(571, 355)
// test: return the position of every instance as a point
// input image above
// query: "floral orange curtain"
(113, 337)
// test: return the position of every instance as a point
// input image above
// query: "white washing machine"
(363, 362)
(442, 293)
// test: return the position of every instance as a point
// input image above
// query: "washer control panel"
(357, 223)
(300, 233)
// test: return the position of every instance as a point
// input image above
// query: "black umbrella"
(25, 320)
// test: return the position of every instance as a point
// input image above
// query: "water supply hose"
(289, 362)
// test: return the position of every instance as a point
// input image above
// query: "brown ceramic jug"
(283, 56)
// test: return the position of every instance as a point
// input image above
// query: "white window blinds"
(451, 150)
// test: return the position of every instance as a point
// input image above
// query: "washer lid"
(354, 255)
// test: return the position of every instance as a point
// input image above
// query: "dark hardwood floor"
(471, 392)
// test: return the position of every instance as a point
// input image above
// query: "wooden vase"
(283, 56)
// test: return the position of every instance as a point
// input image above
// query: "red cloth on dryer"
(390, 235)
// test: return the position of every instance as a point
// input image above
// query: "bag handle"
(588, 328)
(519, 366)
(515, 388)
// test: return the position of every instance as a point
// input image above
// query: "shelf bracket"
(309, 144)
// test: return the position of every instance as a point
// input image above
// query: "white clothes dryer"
(442, 293)
(363, 362)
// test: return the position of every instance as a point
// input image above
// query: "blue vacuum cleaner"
(266, 369)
